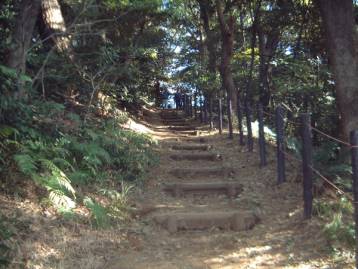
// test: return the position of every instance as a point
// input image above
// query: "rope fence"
(308, 169)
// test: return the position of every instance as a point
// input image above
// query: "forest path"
(281, 239)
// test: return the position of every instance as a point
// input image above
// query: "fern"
(26, 164)
(58, 179)
(119, 201)
(61, 201)
(98, 212)
(7, 131)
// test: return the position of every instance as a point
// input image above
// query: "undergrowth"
(66, 155)
(339, 228)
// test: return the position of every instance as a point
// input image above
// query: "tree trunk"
(338, 21)
(24, 27)
(267, 46)
(227, 44)
(205, 14)
(54, 26)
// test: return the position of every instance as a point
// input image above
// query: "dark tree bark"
(22, 34)
(267, 46)
(338, 21)
(207, 10)
(227, 45)
(268, 42)
(255, 18)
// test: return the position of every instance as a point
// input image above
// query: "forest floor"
(280, 239)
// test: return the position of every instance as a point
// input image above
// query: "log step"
(231, 189)
(196, 157)
(237, 221)
(206, 171)
(186, 132)
(182, 128)
(172, 117)
(191, 147)
(194, 140)
(176, 123)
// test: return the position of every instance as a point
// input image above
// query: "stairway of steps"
(197, 169)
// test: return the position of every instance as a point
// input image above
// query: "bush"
(60, 159)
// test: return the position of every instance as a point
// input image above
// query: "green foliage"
(99, 214)
(339, 228)
(5, 235)
(59, 159)
(118, 207)
(329, 159)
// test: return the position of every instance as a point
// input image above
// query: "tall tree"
(22, 34)
(55, 29)
(338, 21)
(207, 11)
(227, 27)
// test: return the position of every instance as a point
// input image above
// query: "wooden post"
(187, 105)
(280, 138)
(262, 142)
(206, 110)
(250, 141)
(190, 106)
(307, 164)
(239, 118)
(354, 152)
(211, 113)
(195, 106)
(229, 116)
(220, 116)
(201, 109)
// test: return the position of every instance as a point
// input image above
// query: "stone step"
(196, 157)
(191, 147)
(237, 221)
(201, 171)
(231, 189)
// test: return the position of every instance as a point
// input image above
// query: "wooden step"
(201, 171)
(237, 221)
(182, 128)
(176, 123)
(171, 116)
(191, 147)
(187, 132)
(193, 140)
(231, 189)
(176, 119)
(196, 157)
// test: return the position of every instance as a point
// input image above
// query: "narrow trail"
(209, 205)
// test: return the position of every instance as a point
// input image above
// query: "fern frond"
(99, 213)
(61, 200)
(6, 131)
(25, 163)
(58, 179)
(64, 163)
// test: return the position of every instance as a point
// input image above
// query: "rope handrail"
(348, 144)
(340, 191)
(333, 138)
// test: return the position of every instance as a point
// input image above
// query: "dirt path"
(280, 239)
